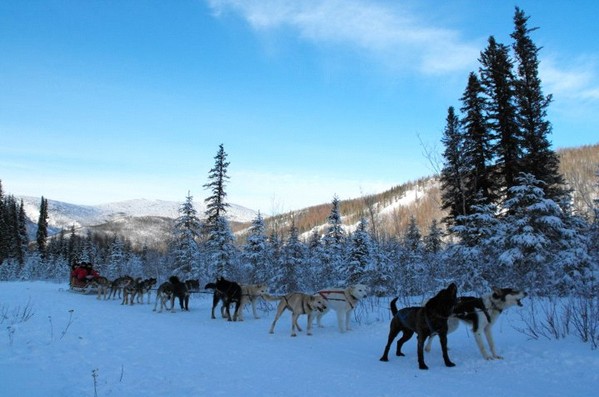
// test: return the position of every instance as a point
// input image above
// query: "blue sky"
(105, 101)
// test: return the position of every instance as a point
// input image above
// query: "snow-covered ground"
(133, 351)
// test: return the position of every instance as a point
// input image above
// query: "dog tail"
(210, 286)
(269, 297)
(394, 306)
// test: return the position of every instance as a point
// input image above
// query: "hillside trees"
(13, 230)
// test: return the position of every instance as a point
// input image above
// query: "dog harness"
(288, 306)
(325, 294)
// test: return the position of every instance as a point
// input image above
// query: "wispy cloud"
(577, 82)
(387, 32)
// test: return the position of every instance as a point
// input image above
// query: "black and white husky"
(481, 314)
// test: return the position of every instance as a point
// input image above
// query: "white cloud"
(386, 31)
(577, 82)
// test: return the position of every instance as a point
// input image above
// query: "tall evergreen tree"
(185, 247)
(539, 159)
(291, 273)
(255, 250)
(477, 148)
(216, 206)
(23, 239)
(4, 241)
(360, 254)
(453, 178)
(275, 260)
(412, 256)
(433, 242)
(334, 245)
(220, 239)
(497, 79)
(42, 228)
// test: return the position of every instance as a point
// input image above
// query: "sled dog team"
(439, 316)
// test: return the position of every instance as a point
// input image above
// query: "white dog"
(343, 301)
(298, 303)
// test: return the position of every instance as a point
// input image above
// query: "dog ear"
(496, 291)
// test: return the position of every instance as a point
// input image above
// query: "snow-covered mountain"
(63, 215)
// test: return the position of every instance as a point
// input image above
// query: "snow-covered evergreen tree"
(274, 261)
(333, 261)
(220, 247)
(184, 244)
(293, 267)
(473, 260)
(221, 250)
(255, 249)
(544, 252)
(42, 227)
(412, 260)
(117, 259)
(314, 256)
(360, 254)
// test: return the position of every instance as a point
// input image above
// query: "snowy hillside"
(64, 215)
(75, 345)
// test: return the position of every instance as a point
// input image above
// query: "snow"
(63, 215)
(137, 352)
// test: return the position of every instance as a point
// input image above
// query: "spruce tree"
(220, 239)
(4, 241)
(291, 273)
(497, 79)
(477, 148)
(433, 242)
(23, 239)
(334, 244)
(453, 178)
(42, 228)
(545, 252)
(255, 250)
(360, 254)
(216, 206)
(185, 247)
(539, 159)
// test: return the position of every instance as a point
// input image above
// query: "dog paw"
(422, 366)
(384, 359)
(498, 357)
(449, 364)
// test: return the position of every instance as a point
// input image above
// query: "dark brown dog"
(427, 320)
(229, 292)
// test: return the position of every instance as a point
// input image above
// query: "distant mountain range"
(140, 220)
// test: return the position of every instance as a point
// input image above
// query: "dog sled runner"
(82, 287)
